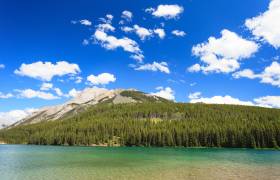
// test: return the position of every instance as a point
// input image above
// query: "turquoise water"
(54, 162)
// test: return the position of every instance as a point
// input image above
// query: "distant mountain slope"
(85, 99)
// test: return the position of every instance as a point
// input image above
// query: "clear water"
(54, 162)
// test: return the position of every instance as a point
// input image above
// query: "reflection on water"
(50, 162)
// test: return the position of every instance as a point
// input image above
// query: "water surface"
(57, 162)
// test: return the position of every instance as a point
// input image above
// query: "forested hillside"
(157, 124)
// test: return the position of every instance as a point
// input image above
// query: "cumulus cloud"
(127, 15)
(30, 93)
(155, 66)
(105, 27)
(222, 55)
(108, 19)
(194, 68)
(106, 24)
(142, 32)
(166, 11)
(78, 80)
(266, 26)
(45, 71)
(194, 95)
(101, 79)
(166, 93)
(178, 33)
(46, 86)
(127, 29)
(265, 101)
(248, 73)
(270, 75)
(58, 92)
(86, 22)
(160, 32)
(111, 42)
(11, 117)
(2, 66)
(196, 98)
(73, 92)
(268, 101)
(6, 96)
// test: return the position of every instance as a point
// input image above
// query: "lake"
(58, 162)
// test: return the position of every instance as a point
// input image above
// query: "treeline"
(157, 124)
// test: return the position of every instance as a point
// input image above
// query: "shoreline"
(173, 147)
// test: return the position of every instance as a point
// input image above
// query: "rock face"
(88, 97)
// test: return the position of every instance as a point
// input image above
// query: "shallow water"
(54, 162)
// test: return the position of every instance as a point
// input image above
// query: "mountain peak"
(84, 99)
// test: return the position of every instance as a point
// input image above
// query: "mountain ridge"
(88, 97)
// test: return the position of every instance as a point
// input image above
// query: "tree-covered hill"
(157, 124)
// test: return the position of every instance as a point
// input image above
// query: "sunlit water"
(53, 162)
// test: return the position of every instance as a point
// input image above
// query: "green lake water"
(24, 162)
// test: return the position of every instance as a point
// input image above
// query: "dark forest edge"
(158, 124)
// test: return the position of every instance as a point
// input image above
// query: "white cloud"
(49, 86)
(86, 22)
(266, 26)
(46, 86)
(138, 57)
(142, 32)
(150, 10)
(127, 29)
(160, 32)
(166, 11)
(11, 117)
(244, 73)
(2, 66)
(111, 42)
(155, 66)
(46, 70)
(218, 100)
(127, 15)
(268, 101)
(178, 33)
(78, 80)
(222, 55)
(30, 93)
(166, 93)
(58, 91)
(101, 79)
(109, 17)
(6, 96)
(105, 27)
(194, 95)
(194, 68)
(270, 75)
(73, 92)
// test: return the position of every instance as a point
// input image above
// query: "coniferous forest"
(157, 124)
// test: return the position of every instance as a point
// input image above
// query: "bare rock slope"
(88, 97)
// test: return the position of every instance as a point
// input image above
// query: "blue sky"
(238, 65)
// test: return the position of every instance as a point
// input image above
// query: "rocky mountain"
(88, 97)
